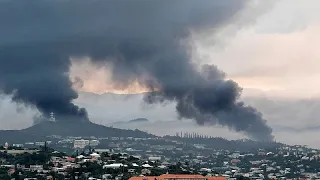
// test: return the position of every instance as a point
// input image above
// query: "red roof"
(71, 159)
(181, 176)
(144, 178)
(11, 171)
(216, 178)
(176, 176)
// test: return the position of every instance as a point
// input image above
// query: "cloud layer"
(278, 53)
(142, 41)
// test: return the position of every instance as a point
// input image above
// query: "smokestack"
(141, 40)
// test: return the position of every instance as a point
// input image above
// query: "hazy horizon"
(270, 50)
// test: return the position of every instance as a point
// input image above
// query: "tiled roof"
(144, 178)
(184, 176)
(216, 178)
(176, 176)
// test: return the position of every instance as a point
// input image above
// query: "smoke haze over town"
(191, 61)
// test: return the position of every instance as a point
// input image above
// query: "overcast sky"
(278, 54)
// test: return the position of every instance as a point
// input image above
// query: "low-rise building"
(80, 143)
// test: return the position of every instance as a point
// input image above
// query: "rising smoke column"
(144, 40)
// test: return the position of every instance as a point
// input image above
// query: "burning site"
(143, 44)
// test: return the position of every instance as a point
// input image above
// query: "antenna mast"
(52, 118)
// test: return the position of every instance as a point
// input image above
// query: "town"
(156, 157)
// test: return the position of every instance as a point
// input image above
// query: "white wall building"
(39, 143)
(154, 158)
(36, 167)
(114, 166)
(17, 145)
(94, 142)
(81, 143)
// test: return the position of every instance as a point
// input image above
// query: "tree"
(4, 174)
(242, 178)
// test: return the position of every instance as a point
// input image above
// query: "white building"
(114, 166)
(36, 167)
(154, 158)
(39, 143)
(6, 145)
(95, 155)
(81, 143)
(17, 145)
(94, 142)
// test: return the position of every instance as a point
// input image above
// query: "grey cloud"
(146, 40)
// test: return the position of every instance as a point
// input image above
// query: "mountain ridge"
(85, 129)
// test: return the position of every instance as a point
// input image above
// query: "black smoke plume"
(141, 39)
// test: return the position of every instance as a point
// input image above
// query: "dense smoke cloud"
(144, 40)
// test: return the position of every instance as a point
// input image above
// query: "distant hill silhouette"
(138, 120)
(40, 131)
(120, 124)
(242, 145)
